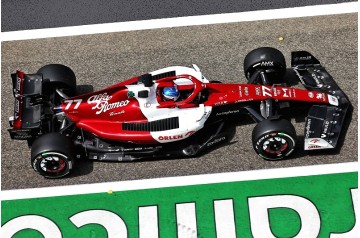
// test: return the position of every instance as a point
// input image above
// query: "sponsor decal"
(17, 106)
(17, 95)
(116, 113)
(325, 129)
(141, 148)
(175, 137)
(315, 141)
(246, 91)
(302, 58)
(305, 57)
(267, 63)
(308, 206)
(18, 83)
(103, 97)
(314, 147)
(326, 126)
(266, 91)
(319, 96)
(102, 104)
(307, 128)
(227, 113)
(315, 77)
(311, 94)
(257, 91)
(333, 100)
(218, 140)
(286, 94)
(240, 91)
(220, 103)
(244, 100)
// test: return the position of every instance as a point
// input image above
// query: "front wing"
(324, 123)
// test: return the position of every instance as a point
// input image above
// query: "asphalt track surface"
(25, 14)
(219, 50)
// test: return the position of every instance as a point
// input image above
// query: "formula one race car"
(174, 112)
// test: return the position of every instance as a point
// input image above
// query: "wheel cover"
(52, 162)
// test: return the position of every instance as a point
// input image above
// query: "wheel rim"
(275, 145)
(53, 163)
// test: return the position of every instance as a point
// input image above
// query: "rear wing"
(26, 120)
(324, 123)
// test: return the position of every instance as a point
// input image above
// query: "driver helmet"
(171, 93)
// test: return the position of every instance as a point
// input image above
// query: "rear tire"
(52, 155)
(274, 139)
(267, 59)
(61, 77)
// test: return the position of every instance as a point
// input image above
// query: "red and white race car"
(137, 119)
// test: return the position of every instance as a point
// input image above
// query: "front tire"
(52, 155)
(274, 139)
(266, 59)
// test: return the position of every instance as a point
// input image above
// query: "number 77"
(69, 102)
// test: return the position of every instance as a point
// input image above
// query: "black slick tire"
(52, 155)
(267, 59)
(274, 139)
(59, 76)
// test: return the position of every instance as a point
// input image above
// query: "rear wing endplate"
(26, 120)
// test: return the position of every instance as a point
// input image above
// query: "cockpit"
(188, 87)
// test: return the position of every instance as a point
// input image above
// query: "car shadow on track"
(83, 167)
